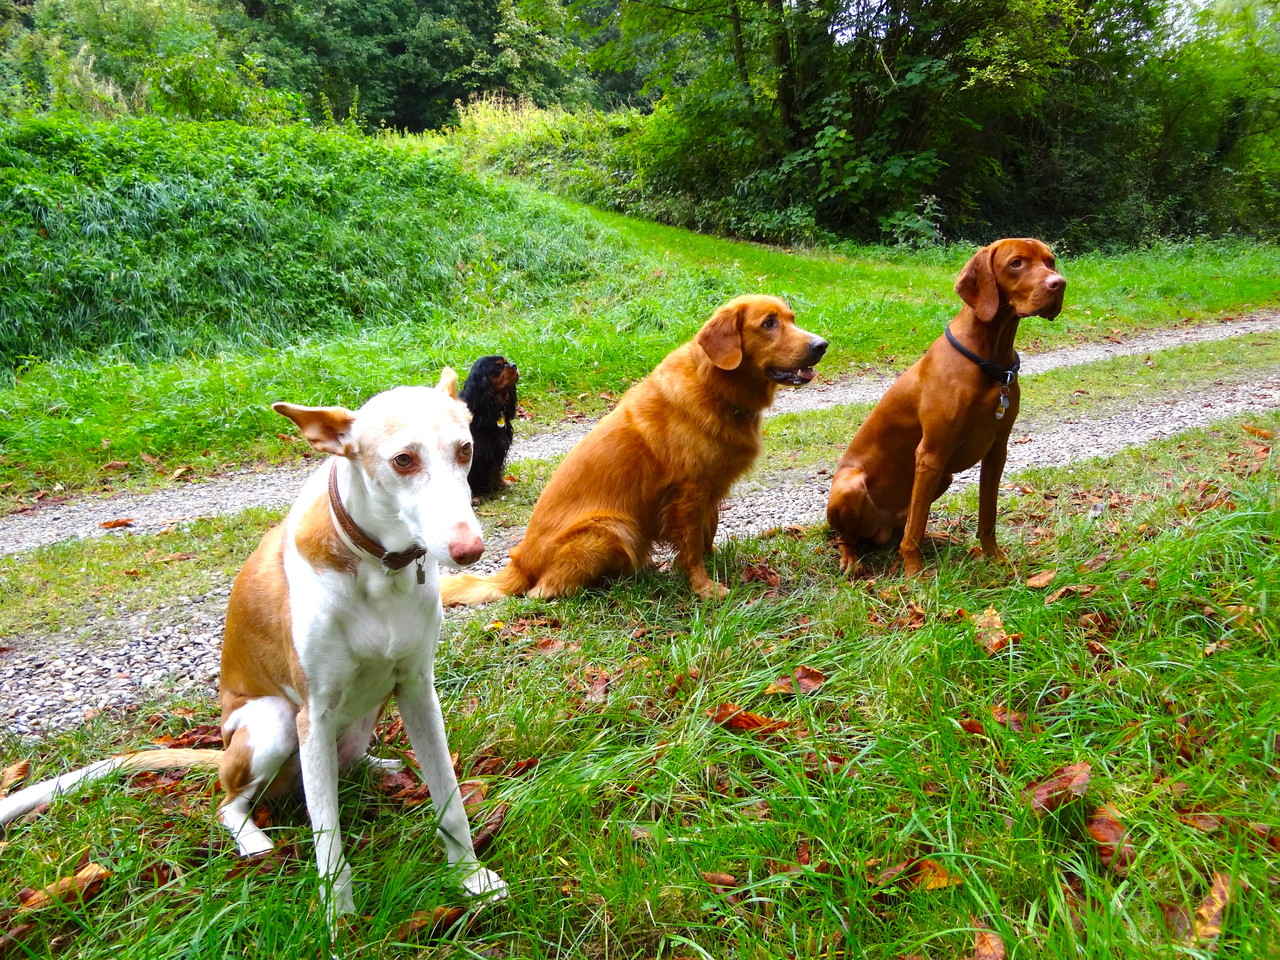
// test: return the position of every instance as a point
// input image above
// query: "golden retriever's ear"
(721, 337)
(977, 286)
(448, 382)
(327, 429)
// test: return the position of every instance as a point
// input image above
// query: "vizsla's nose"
(466, 549)
(1057, 283)
(817, 347)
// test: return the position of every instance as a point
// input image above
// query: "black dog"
(490, 393)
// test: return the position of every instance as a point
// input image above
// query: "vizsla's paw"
(484, 883)
(911, 566)
(995, 554)
(850, 565)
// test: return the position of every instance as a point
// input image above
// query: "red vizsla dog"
(953, 408)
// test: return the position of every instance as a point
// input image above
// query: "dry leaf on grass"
(116, 524)
(435, 922)
(991, 635)
(1064, 784)
(800, 680)
(987, 945)
(1038, 581)
(489, 829)
(1112, 839)
(919, 873)
(1207, 923)
(1015, 721)
(762, 573)
(1081, 590)
(733, 717)
(12, 774)
(85, 884)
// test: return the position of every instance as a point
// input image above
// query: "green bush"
(149, 239)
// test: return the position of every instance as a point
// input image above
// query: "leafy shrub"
(151, 239)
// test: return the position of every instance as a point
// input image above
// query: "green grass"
(1162, 678)
(165, 283)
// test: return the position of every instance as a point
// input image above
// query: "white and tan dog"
(336, 611)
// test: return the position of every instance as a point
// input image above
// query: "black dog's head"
(490, 390)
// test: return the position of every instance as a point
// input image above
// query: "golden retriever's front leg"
(688, 520)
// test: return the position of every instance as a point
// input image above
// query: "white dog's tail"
(28, 798)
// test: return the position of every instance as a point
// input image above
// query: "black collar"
(360, 539)
(996, 373)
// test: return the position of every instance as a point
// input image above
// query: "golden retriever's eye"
(403, 461)
(770, 322)
(464, 453)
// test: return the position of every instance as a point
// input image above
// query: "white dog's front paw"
(483, 882)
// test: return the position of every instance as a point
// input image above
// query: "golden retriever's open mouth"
(795, 378)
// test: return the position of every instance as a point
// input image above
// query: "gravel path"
(55, 681)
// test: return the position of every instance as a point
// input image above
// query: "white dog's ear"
(721, 337)
(327, 429)
(977, 284)
(448, 382)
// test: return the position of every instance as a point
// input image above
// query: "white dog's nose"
(465, 547)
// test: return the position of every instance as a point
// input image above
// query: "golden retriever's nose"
(817, 347)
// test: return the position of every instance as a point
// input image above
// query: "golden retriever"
(656, 467)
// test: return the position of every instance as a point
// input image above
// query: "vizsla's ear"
(448, 382)
(977, 284)
(327, 429)
(721, 337)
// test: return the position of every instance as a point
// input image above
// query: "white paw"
(484, 883)
(386, 765)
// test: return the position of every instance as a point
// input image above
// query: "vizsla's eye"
(402, 461)
(1016, 263)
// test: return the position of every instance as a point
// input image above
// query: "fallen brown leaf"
(800, 680)
(987, 945)
(1015, 721)
(763, 573)
(114, 465)
(1207, 924)
(1038, 581)
(489, 829)
(12, 774)
(116, 524)
(990, 633)
(1256, 431)
(435, 922)
(732, 716)
(1081, 590)
(1064, 784)
(83, 885)
(1111, 837)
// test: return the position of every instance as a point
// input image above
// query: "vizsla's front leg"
(929, 471)
(988, 495)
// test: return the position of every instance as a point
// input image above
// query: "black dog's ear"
(721, 337)
(977, 285)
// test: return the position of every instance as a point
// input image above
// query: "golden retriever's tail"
(467, 589)
(28, 798)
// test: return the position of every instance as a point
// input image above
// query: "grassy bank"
(884, 814)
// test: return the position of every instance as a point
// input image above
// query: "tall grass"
(648, 829)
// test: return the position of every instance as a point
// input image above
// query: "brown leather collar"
(392, 561)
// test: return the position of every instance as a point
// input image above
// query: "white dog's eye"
(402, 461)
(464, 452)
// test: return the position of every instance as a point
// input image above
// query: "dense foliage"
(1092, 121)
(154, 239)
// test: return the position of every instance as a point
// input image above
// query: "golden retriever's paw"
(711, 590)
